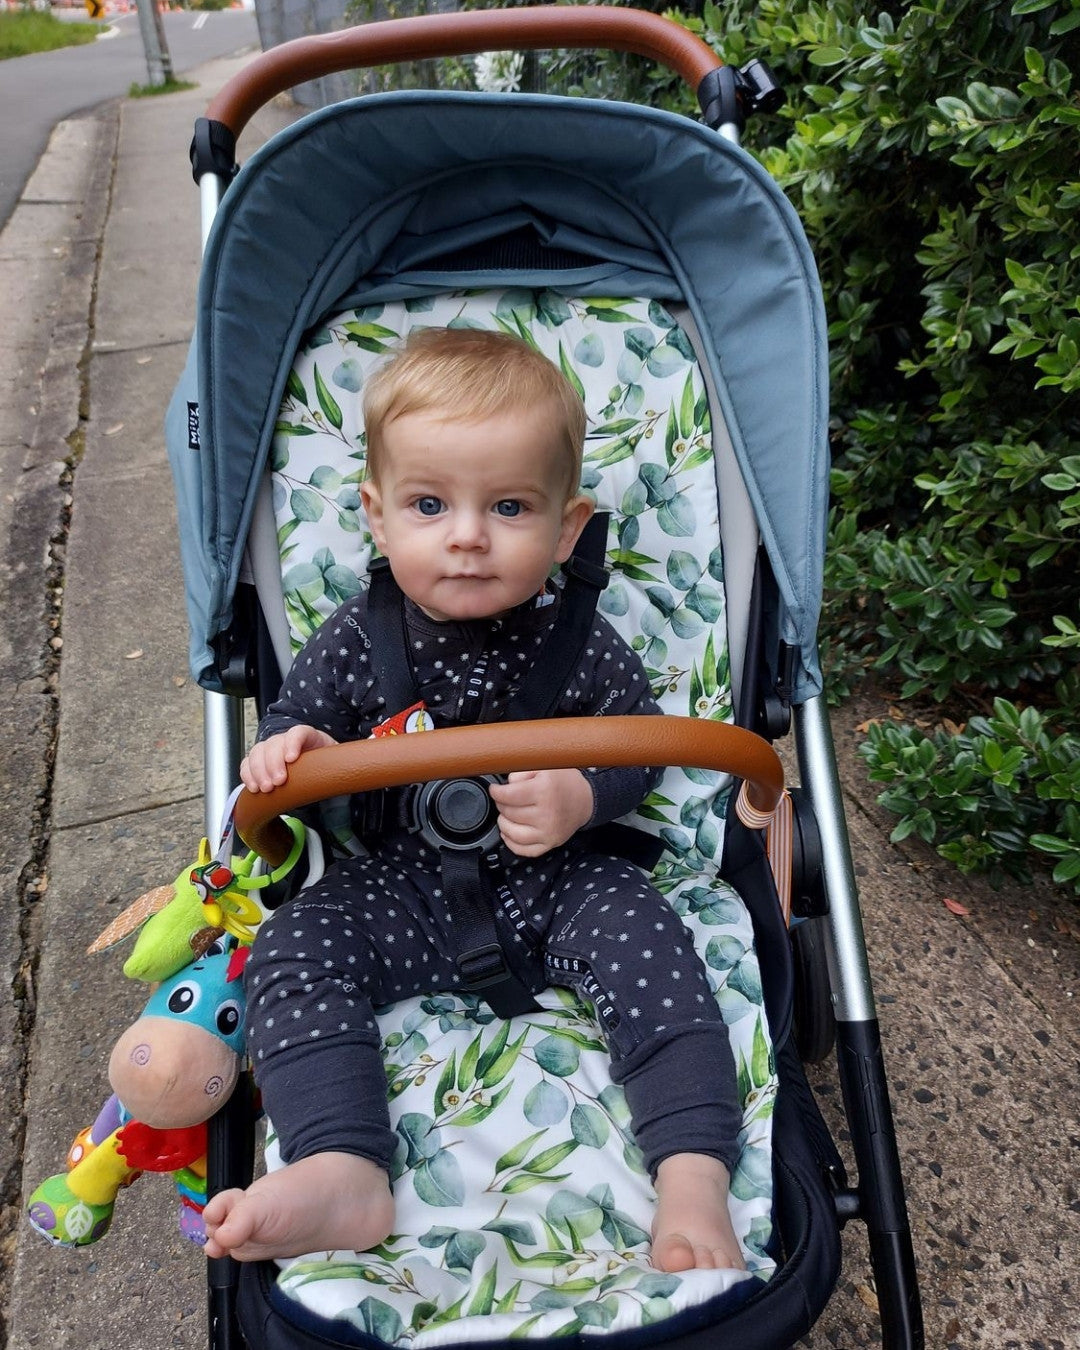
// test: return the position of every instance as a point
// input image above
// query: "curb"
(57, 268)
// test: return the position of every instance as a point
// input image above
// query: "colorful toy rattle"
(179, 1062)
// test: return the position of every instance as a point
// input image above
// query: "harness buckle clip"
(483, 966)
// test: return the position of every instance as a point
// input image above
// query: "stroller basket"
(668, 276)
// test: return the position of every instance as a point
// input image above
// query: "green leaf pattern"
(538, 1222)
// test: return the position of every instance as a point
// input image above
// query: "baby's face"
(472, 515)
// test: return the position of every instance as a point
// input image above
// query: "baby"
(474, 460)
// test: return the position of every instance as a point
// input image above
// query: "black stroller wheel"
(814, 1022)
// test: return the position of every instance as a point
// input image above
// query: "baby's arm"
(267, 764)
(620, 689)
(318, 704)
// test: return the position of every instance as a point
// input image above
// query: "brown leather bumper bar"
(431, 35)
(508, 747)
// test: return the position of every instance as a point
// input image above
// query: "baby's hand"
(540, 811)
(267, 765)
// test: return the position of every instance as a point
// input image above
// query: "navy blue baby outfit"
(376, 928)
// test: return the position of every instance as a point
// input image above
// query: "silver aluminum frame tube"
(223, 714)
(849, 970)
(211, 190)
(223, 749)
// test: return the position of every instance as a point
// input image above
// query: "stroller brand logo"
(193, 426)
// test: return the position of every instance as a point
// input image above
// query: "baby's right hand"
(267, 764)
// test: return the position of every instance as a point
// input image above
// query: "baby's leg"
(328, 1202)
(692, 1228)
(315, 967)
(616, 939)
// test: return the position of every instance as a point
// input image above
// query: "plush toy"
(180, 1060)
(175, 922)
(169, 1071)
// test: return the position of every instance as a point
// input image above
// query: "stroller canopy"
(368, 200)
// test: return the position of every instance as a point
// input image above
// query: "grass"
(169, 87)
(25, 31)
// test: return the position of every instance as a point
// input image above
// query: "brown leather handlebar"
(431, 35)
(507, 747)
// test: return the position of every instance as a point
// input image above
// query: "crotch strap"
(469, 896)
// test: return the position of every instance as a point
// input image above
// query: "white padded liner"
(537, 1223)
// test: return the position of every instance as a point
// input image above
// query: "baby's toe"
(673, 1252)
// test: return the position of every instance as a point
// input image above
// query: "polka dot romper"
(377, 929)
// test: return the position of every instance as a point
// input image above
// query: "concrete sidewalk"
(101, 764)
(103, 749)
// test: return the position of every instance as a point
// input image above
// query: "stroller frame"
(726, 97)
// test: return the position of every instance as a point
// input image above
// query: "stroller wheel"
(814, 1021)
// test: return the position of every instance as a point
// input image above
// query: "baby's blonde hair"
(467, 374)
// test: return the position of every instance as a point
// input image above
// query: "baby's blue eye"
(508, 509)
(428, 506)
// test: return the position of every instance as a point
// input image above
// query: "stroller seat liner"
(522, 1206)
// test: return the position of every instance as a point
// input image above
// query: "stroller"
(661, 268)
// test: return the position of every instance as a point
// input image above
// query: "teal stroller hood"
(624, 201)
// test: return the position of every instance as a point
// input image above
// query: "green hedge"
(932, 153)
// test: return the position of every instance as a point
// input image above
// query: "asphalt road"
(38, 91)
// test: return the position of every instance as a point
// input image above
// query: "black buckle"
(483, 966)
(592, 574)
(213, 150)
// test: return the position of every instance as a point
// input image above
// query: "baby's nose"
(468, 529)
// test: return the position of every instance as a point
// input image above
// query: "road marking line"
(200, 19)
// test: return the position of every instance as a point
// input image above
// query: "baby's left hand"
(538, 811)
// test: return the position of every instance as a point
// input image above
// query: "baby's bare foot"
(692, 1228)
(328, 1202)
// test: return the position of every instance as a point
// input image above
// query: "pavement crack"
(42, 521)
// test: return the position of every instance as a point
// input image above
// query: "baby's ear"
(372, 500)
(576, 515)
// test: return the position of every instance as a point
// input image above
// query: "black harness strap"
(481, 961)
(548, 680)
(389, 638)
(625, 841)
(586, 576)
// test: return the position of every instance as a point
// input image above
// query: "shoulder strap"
(586, 577)
(547, 681)
(389, 640)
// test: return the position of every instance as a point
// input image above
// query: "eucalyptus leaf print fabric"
(523, 1209)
